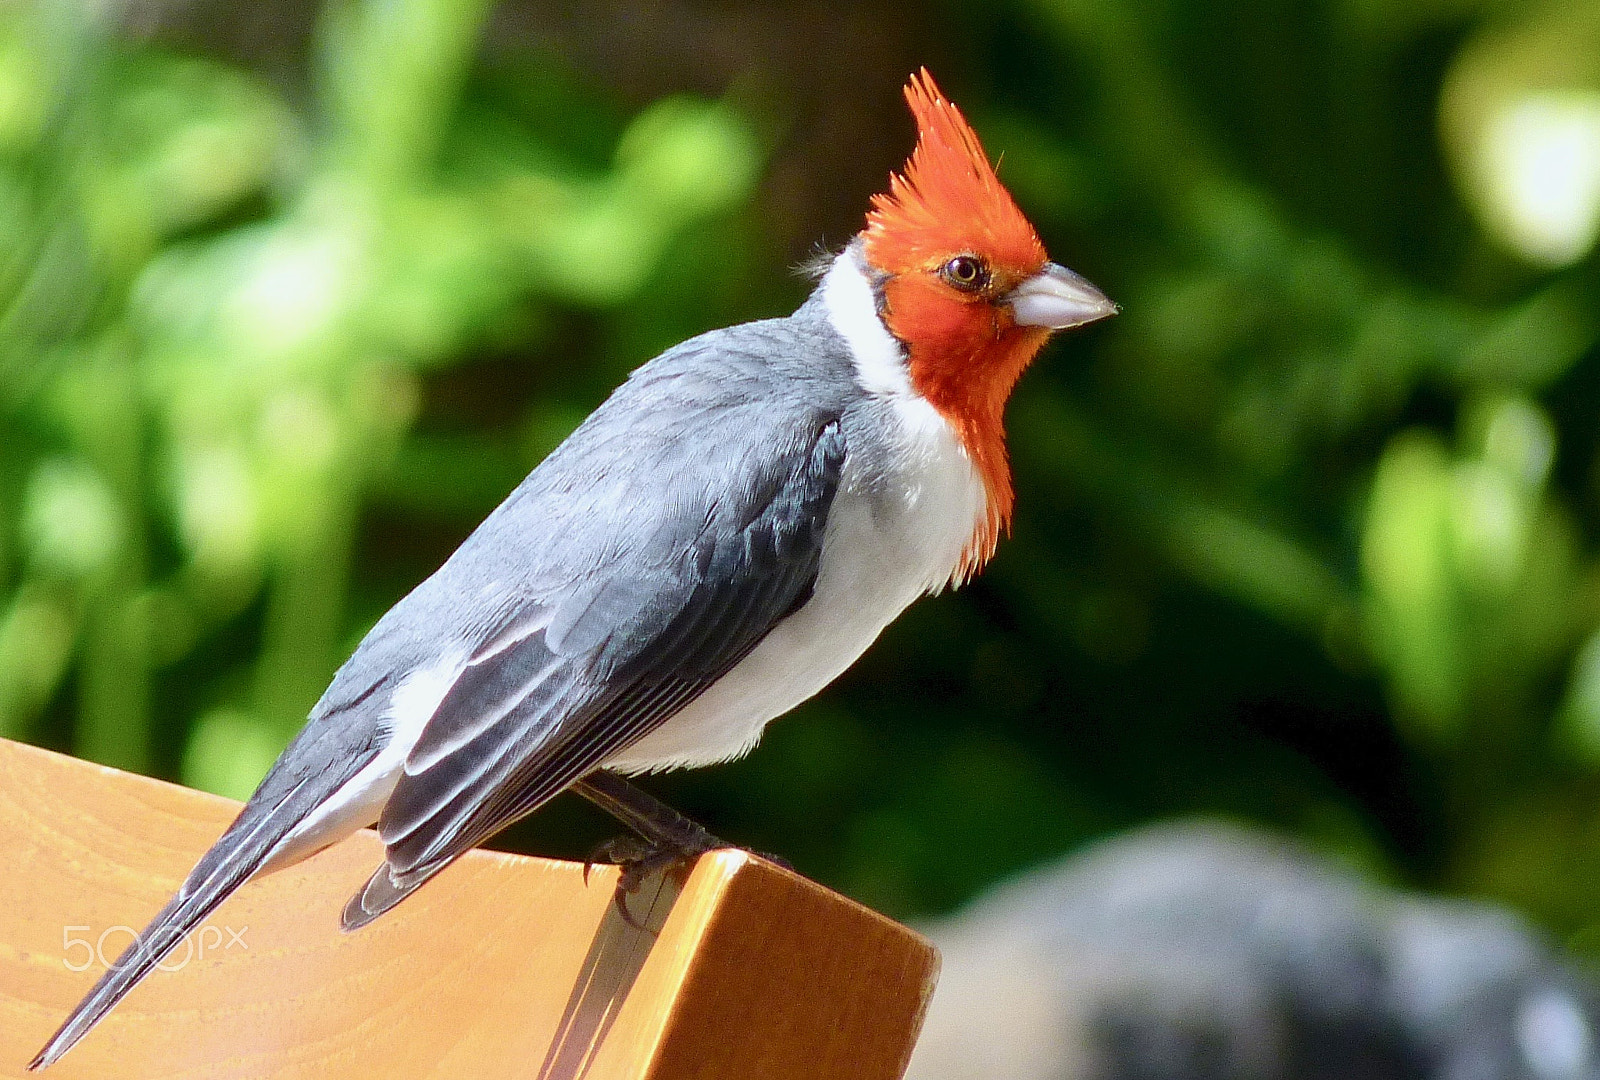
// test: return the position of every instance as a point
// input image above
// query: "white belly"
(878, 555)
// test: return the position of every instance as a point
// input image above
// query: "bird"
(714, 544)
(1207, 949)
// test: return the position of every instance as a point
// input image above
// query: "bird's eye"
(966, 272)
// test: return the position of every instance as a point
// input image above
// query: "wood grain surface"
(503, 966)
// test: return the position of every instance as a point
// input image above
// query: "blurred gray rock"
(1205, 951)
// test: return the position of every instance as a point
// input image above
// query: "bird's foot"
(640, 859)
(664, 839)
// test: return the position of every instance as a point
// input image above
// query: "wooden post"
(504, 966)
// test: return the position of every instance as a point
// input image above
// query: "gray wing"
(669, 544)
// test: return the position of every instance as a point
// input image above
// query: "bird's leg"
(645, 814)
(667, 838)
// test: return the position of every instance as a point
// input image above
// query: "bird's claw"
(639, 859)
(617, 851)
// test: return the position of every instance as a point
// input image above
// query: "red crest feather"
(964, 353)
(948, 199)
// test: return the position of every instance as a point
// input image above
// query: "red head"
(967, 288)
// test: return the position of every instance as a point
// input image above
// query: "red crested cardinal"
(727, 533)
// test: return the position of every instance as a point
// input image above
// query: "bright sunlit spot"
(1540, 159)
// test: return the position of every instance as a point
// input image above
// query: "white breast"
(881, 551)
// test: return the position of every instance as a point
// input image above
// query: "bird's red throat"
(964, 359)
(964, 351)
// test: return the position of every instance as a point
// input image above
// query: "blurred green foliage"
(1310, 534)
(218, 312)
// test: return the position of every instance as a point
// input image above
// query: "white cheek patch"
(853, 312)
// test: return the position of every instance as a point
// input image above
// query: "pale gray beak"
(1058, 299)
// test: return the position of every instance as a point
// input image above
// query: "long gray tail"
(237, 855)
